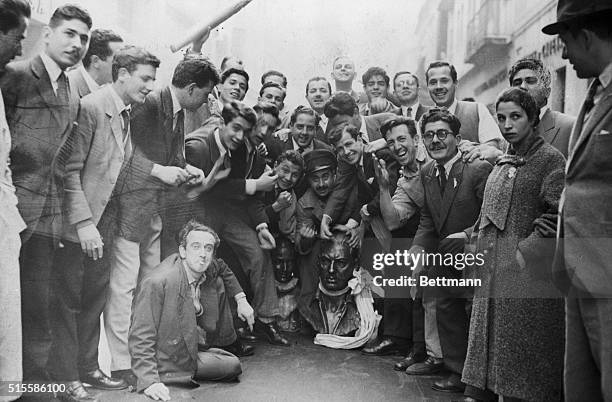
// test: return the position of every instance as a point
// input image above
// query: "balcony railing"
(486, 31)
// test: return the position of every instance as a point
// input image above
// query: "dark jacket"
(39, 125)
(315, 315)
(202, 151)
(163, 338)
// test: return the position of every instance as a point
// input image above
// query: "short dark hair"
(335, 134)
(439, 114)
(313, 79)
(129, 57)
(235, 109)
(12, 12)
(530, 64)
(371, 72)
(304, 110)
(437, 64)
(272, 85)
(275, 73)
(98, 45)
(265, 107)
(226, 74)
(292, 156)
(198, 70)
(195, 226)
(524, 100)
(405, 72)
(340, 103)
(398, 121)
(69, 12)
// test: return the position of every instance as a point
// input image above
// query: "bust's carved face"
(283, 261)
(336, 263)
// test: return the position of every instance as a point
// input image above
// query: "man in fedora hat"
(582, 267)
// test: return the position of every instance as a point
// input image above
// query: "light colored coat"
(98, 153)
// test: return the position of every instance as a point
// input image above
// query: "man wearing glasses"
(453, 197)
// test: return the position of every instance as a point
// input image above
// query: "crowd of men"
(120, 196)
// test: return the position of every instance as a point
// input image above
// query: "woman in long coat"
(516, 336)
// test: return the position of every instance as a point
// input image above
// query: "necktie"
(178, 140)
(409, 113)
(442, 178)
(125, 115)
(62, 89)
(589, 102)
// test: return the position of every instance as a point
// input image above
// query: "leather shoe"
(452, 383)
(431, 365)
(383, 348)
(98, 379)
(246, 335)
(239, 349)
(75, 392)
(126, 375)
(406, 362)
(272, 333)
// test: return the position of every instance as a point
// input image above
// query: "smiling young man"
(40, 109)
(479, 131)
(318, 92)
(273, 93)
(406, 90)
(81, 266)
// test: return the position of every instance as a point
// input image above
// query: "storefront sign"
(550, 48)
(501, 76)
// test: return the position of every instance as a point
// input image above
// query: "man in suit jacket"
(342, 108)
(168, 311)
(99, 146)
(532, 76)
(318, 91)
(584, 250)
(453, 196)
(406, 89)
(158, 132)
(97, 62)
(41, 107)
(234, 209)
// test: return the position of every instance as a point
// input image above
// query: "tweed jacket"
(519, 212)
(39, 123)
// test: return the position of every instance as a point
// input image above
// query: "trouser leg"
(217, 365)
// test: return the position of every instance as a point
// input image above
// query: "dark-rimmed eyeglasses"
(441, 134)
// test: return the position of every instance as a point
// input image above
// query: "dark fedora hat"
(572, 11)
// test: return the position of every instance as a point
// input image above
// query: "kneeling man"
(164, 333)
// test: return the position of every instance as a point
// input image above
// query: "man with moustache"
(102, 138)
(584, 248)
(453, 196)
(479, 132)
(232, 207)
(168, 310)
(41, 107)
(320, 170)
(14, 19)
(531, 75)
(376, 86)
(318, 91)
(96, 68)
(404, 318)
